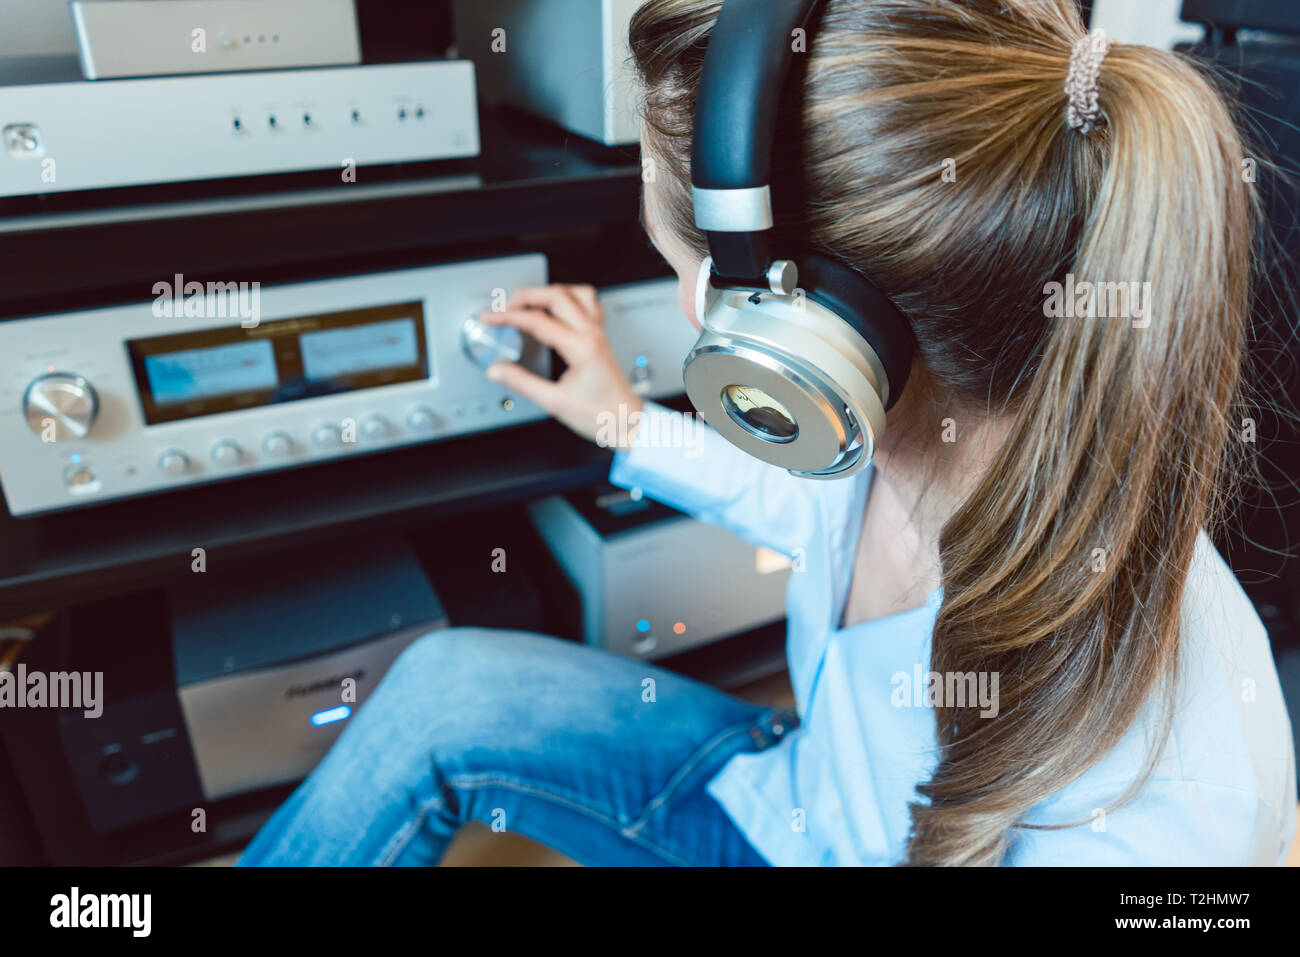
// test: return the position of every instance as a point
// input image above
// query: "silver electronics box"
(654, 582)
(566, 60)
(650, 335)
(273, 659)
(117, 38)
(202, 384)
(62, 136)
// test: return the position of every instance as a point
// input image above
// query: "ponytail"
(1065, 569)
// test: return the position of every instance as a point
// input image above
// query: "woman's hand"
(571, 320)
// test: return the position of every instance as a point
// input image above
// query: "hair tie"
(1081, 83)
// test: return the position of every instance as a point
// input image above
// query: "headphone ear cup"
(855, 299)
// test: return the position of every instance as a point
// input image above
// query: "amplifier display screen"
(189, 374)
(377, 345)
(203, 373)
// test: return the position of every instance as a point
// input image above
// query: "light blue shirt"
(836, 790)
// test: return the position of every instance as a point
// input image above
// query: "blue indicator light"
(642, 361)
(75, 458)
(330, 715)
(643, 626)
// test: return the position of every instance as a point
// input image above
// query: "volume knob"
(61, 406)
(488, 344)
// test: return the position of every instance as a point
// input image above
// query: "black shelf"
(48, 562)
(69, 251)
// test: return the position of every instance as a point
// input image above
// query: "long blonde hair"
(1064, 570)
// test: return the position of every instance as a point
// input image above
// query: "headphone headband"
(745, 69)
(798, 358)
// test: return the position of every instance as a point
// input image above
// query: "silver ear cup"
(786, 380)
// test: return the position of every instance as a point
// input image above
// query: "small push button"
(227, 453)
(173, 462)
(80, 479)
(278, 445)
(328, 436)
(376, 427)
(422, 419)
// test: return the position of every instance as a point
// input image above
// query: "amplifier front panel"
(46, 464)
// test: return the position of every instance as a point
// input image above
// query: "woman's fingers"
(587, 298)
(576, 306)
(547, 394)
(542, 327)
(568, 319)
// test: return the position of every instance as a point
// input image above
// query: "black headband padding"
(855, 299)
(744, 73)
(745, 68)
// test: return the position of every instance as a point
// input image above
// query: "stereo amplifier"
(649, 334)
(63, 136)
(654, 582)
(212, 381)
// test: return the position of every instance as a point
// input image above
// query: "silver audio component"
(203, 384)
(56, 137)
(261, 655)
(117, 38)
(655, 582)
(650, 335)
(567, 60)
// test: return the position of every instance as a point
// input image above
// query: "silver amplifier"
(210, 381)
(655, 582)
(61, 136)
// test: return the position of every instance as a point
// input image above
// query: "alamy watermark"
(76, 909)
(1098, 300)
(951, 689)
(21, 688)
(651, 428)
(179, 299)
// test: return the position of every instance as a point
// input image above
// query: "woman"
(1031, 531)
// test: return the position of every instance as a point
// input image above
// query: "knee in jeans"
(435, 662)
(440, 692)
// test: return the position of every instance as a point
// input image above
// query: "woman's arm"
(678, 460)
(671, 457)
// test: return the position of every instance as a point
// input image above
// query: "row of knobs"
(278, 445)
(62, 406)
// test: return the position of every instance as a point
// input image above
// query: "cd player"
(212, 381)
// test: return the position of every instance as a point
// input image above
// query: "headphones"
(799, 359)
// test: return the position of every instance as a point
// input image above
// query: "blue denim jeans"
(600, 757)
